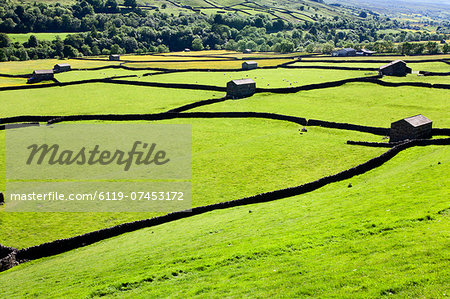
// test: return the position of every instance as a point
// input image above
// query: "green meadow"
(357, 103)
(381, 238)
(265, 78)
(223, 149)
(97, 98)
(386, 236)
(23, 37)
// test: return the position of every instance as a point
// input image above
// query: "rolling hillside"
(415, 9)
(385, 237)
(289, 10)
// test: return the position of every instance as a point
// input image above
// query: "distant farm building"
(365, 52)
(114, 57)
(395, 68)
(41, 75)
(61, 67)
(187, 50)
(414, 127)
(249, 65)
(247, 51)
(344, 52)
(241, 88)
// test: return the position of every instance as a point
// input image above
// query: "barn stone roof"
(250, 62)
(62, 64)
(243, 81)
(417, 120)
(43, 72)
(392, 63)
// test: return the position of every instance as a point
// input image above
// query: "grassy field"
(383, 237)
(358, 103)
(221, 64)
(225, 54)
(4, 81)
(274, 10)
(218, 178)
(425, 66)
(97, 98)
(23, 37)
(27, 67)
(106, 73)
(270, 78)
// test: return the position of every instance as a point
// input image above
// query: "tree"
(162, 49)
(363, 15)
(32, 41)
(4, 40)
(96, 4)
(432, 47)
(286, 46)
(86, 50)
(327, 48)
(70, 51)
(197, 44)
(310, 48)
(3, 56)
(111, 6)
(95, 50)
(115, 49)
(8, 25)
(446, 48)
(130, 3)
(58, 46)
(22, 54)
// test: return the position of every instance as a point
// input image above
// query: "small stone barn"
(61, 67)
(395, 68)
(241, 88)
(414, 127)
(247, 51)
(187, 50)
(114, 57)
(249, 65)
(344, 52)
(41, 75)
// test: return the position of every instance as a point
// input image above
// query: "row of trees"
(136, 31)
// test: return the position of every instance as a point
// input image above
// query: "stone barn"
(61, 67)
(247, 51)
(395, 68)
(241, 88)
(41, 75)
(249, 65)
(187, 50)
(344, 52)
(114, 57)
(414, 127)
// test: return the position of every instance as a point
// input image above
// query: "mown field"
(382, 237)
